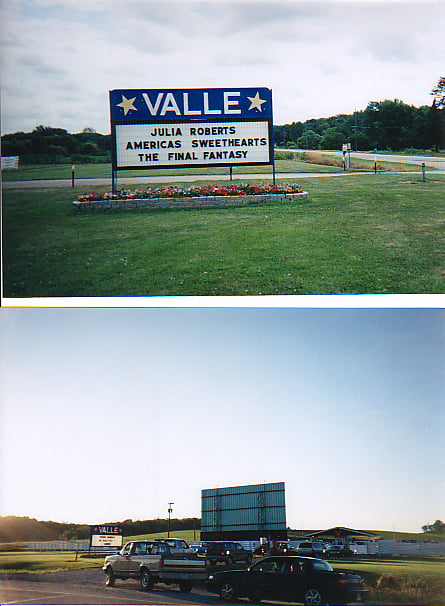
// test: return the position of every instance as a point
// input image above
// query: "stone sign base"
(185, 202)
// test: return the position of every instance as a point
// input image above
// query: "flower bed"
(204, 195)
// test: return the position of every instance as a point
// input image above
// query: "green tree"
(439, 93)
(309, 140)
(332, 138)
(437, 527)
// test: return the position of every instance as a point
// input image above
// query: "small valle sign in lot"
(106, 535)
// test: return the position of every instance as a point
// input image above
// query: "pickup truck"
(153, 562)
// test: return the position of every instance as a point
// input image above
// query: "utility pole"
(355, 128)
(170, 509)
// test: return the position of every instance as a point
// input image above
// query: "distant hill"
(14, 528)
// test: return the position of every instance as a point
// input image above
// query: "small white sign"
(106, 540)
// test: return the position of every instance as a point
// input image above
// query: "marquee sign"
(191, 127)
(106, 535)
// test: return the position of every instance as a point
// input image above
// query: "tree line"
(22, 528)
(48, 145)
(383, 125)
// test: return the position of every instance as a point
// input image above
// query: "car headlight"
(211, 577)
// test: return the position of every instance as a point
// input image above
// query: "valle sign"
(165, 128)
(106, 535)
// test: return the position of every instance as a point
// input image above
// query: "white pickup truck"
(154, 562)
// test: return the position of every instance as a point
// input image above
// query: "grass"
(393, 580)
(45, 561)
(369, 234)
(187, 535)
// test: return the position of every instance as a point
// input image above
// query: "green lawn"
(353, 235)
(393, 580)
(45, 561)
(373, 567)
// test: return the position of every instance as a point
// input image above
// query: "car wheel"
(185, 586)
(110, 578)
(312, 597)
(147, 581)
(227, 592)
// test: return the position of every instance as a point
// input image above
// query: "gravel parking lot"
(87, 586)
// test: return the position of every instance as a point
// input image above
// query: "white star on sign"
(127, 104)
(256, 102)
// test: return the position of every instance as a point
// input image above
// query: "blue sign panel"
(141, 105)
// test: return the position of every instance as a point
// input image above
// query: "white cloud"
(60, 57)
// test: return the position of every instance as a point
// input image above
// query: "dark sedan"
(289, 579)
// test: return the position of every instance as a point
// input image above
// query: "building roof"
(341, 532)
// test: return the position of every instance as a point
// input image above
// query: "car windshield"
(322, 566)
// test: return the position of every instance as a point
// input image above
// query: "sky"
(61, 57)
(110, 414)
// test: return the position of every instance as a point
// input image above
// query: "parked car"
(263, 549)
(276, 548)
(339, 551)
(311, 548)
(176, 545)
(289, 579)
(227, 551)
(201, 549)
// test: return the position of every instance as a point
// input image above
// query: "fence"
(395, 548)
(10, 162)
(59, 546)
(380, 547)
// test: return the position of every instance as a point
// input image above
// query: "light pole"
(170, 509)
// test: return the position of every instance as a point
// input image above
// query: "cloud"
(320, 58)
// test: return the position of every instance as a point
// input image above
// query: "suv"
(228, 552)
(312, 548)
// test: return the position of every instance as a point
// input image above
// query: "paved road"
(90, 183)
